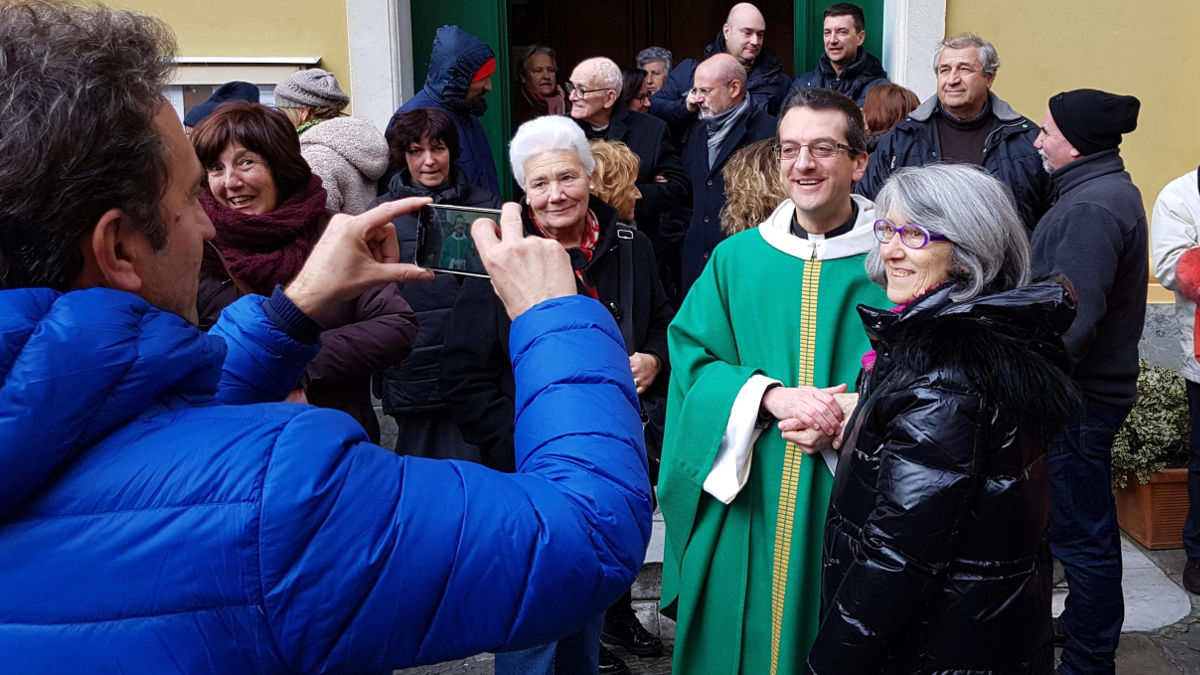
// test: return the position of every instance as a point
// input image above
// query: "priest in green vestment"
(765, 334)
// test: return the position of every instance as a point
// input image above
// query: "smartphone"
(444, 242)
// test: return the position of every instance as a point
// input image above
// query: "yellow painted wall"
(1123, 46)
(257, 28)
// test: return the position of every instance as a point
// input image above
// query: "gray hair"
(608, 73)
(652, 54)
(989, 60)
(530, 52)
(971, 208)
(548, 133)
(79, 90)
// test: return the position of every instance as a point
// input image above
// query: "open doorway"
(619, 29)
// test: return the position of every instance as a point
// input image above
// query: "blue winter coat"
(456, 57)
(1008, 154)
(864, 74)
(155, 519)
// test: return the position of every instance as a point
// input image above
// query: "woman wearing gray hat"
(348, 153)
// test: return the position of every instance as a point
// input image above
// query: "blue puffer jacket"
(456, 57)
(1008, 154)
(150, 524)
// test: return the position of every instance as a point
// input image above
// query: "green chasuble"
(743, 580)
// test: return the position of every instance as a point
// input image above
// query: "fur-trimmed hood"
(1007, 344)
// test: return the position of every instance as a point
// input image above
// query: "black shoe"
(629, 633)
(1060, 636)
(1191, 576)
(611, 664)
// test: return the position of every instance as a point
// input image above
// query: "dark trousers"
(1191, 528)
(1085, 538)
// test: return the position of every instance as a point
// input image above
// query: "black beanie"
(1093, 120)
(230, 91)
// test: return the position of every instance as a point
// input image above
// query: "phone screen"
(444, 239)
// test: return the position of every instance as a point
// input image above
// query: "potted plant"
(1147, 455)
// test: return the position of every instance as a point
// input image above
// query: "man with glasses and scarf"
(768, 333)
(728, 120)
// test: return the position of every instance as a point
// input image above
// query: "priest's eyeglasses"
(912, 235)
(822, 148)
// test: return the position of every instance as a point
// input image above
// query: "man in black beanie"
(1095, 234)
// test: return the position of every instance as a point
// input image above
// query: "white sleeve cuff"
(731, 468)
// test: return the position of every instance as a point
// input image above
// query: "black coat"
(936, 551)
(477, 377)
(412, 386)
(708, 188)
(650, 140)
(1096, 235)
(855, 81)
(1008, 154)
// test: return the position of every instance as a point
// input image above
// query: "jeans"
(1084, 536)
(576, 654)
(1191, 527)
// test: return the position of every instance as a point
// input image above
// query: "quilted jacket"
(157, 516)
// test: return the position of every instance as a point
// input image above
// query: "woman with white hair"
(553, 164)
(936, 550)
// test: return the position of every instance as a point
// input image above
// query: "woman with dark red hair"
(268, 209)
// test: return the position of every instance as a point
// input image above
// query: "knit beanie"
(485, 70)
(312, 88)
(1093, 120)
(230, 91)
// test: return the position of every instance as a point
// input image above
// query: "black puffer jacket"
(936, 555)
(865, 73)
(412, 386)
(477, 378)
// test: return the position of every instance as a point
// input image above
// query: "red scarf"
(587, 244)
(266, 249)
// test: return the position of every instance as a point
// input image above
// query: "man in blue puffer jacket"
(159, 514)
(459, 78)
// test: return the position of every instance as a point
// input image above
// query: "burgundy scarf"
(267, 249)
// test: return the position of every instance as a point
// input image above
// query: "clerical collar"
(594, 133)
(835, 232)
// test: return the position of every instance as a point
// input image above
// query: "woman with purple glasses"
(936, 555)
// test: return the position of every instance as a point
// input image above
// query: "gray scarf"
(721, 124)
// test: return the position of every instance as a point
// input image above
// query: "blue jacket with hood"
(156, 516)
(456, 57)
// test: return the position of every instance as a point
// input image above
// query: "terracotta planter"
(1153, 513)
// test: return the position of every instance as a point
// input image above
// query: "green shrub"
(1155, 435)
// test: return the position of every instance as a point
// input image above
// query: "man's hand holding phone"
(354, 254)
(524, 270)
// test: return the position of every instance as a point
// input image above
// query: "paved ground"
(1162, 621)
